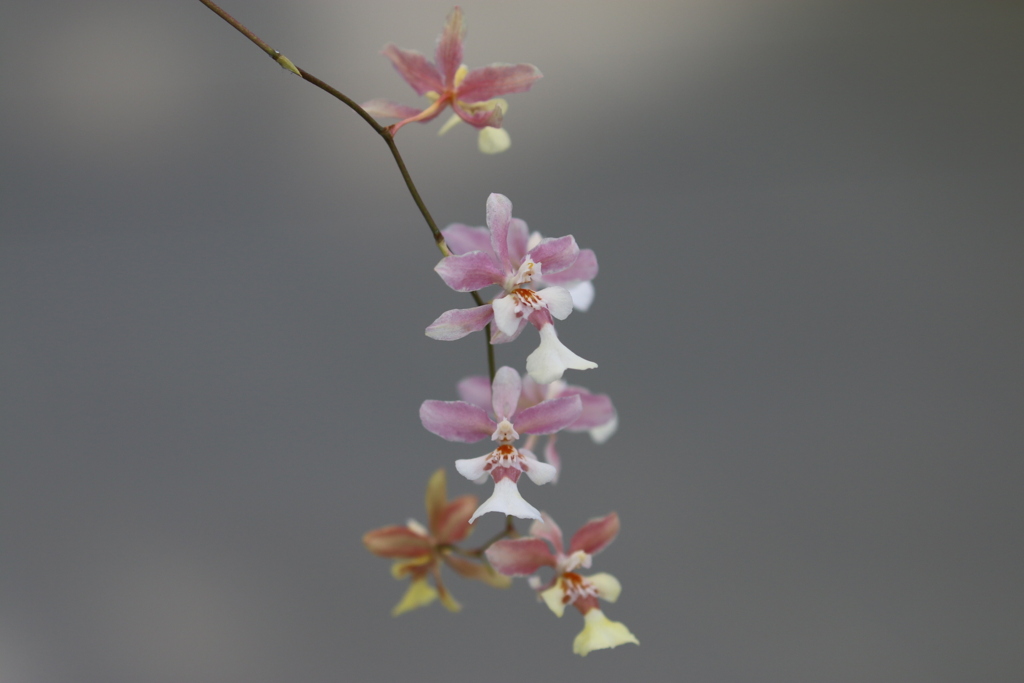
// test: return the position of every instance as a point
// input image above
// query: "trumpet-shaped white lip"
(552, 358)
(599, 632)
(507, 501)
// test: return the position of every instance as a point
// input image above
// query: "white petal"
(547, 363)
(473, 468)
(507, 501)
(582, 295)
(608, 587)
(602, 433)
(558, 300)
(505, 314)
(493, 140)
(539, 472)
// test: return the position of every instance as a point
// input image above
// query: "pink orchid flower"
(576, 278)
(598, 416)
(468, 423)
(472, 95)
(512, 266)
(525, 556)
(418, 550)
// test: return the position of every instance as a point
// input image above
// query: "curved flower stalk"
(418, 550)
(468, 423)
(525, 556)
(598, 416)
(472, 95)
(512, 267)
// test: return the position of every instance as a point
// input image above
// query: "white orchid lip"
(552, 358)
(506, 500)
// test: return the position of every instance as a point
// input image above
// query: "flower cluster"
(518, 279)
(525, 556)
(418, 551)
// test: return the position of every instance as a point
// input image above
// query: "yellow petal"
(402, 567)
(608, 587)
(493, 140)
(420, 593)
(450, 603)
(436, 498)
(460, 75)
(599, 632)
(449, 124)
(552, 597)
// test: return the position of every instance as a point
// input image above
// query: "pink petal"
(505, 392)
(469, 569)
(595, 535)
(499, 213)
(476, 390)
(415, 69)
(396, 541)
(549, 531)
(555, 254)
(549, 416)
(389, 109)
(452, 524)
(469, 272)
(518, 238)
(533, 393)
(597, 409)
(456, 421)
(584, 268)
(462, 239)
(458, 322)
(551, 456)
(448, 54)
(480, 118)
(497, 79)
(520, 556)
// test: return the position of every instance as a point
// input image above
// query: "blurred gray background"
(213, 289)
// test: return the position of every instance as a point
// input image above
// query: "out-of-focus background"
(213, 289)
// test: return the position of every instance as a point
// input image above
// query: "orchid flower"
(598, 416)
(419, 550)
(510, 265)
(468, 423)
(576, 278)
(525, 556)
(472, 95)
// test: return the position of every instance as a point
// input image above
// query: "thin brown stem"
(383, 131)
(508, 532)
